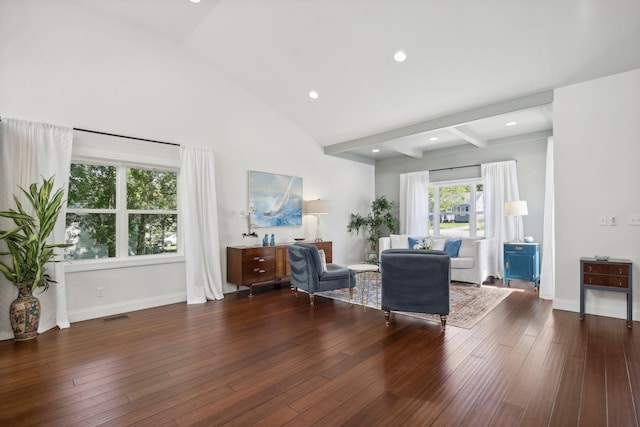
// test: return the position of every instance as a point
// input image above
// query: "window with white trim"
(119, 211)
(456, 208)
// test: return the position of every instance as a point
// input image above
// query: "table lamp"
(318, 207)
(516, 208)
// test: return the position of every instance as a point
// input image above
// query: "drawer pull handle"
(619, 271)
(590, 268)
(518, 248)
(257, 258)
(589, 279)
(619, 282)
(261, 271)
(255, 270)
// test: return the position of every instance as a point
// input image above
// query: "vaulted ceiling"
(472, 66)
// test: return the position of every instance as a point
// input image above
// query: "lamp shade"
(318, 206)
(516, 208)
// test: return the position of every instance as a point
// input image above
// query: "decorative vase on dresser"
(25, 315)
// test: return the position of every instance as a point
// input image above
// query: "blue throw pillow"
(414, 241)
(452, 247)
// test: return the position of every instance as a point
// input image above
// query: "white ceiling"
(470, 63)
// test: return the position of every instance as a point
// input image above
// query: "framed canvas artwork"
(277, 199)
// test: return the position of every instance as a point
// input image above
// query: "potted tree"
(379, 221)
(29, 251)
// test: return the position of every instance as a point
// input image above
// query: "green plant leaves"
(27, 242)
(377, 222)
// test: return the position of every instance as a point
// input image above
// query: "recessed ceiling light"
(375, 150)
(313, 94)
(400, 56)
(435, 138)
(511, 123)
(195, 1)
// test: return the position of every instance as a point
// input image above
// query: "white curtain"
(414, 203)
(28, 152)
(199, 219)
(548, 269)
(500, 185)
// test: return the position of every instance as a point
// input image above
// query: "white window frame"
(472, 183)
(102, 150)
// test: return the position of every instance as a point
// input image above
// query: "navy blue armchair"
(416, 281)
(307, 274)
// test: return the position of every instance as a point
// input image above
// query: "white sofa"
(471, 265)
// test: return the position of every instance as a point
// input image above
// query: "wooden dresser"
(263, 265)
(612, 275)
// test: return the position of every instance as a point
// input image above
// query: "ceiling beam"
(468, 135)
(522, 103)
(356, 158)
(407, 151)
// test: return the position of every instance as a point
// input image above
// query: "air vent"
(118, 317)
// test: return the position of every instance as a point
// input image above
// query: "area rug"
(469, 303)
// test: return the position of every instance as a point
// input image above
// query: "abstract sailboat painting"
(277, 198)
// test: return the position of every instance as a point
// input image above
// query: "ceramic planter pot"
(25, 315)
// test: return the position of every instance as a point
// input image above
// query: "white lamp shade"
(318, 206)
(516, 208)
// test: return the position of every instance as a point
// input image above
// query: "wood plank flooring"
(274, 360)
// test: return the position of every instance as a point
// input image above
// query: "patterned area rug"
(469, 303)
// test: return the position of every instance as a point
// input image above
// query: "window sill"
(107, 264)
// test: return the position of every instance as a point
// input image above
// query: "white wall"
(63, 64)
(597, 153)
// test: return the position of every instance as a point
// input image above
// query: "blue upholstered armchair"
(416, 281)
(307, 274)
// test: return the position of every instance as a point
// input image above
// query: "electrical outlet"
(614, 220)
(634, 219)
(99, 291)
(602, 220)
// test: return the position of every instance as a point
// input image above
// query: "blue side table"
(522, 262)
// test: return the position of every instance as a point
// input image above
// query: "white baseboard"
(617, 311)
(125, 307)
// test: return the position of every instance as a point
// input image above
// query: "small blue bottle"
(265, 240)
(273, 240)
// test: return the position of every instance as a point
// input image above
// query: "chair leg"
(311, 296)
(387, 317)
(295, 290)
(443, 320)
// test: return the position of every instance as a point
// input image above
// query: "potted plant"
(29, 251)
(376, 223)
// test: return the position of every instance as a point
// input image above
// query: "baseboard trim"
(617, 311)
(125, 307)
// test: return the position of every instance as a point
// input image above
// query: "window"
(119, 211)
(456, 209)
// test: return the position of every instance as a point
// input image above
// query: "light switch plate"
(614, 220)
(602, 220)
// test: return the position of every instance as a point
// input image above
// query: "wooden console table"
(263, 265)
(613, 275)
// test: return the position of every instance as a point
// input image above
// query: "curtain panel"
(30, 151)
(199, 219)
(500, 183)
(414, 203)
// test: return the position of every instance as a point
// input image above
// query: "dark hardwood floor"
(274, 360)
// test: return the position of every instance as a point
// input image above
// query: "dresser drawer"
(602, 268)
(525, 249)
(606, 280)
(259, 264)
